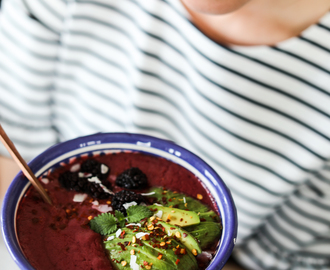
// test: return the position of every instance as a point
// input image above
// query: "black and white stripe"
(260, 115)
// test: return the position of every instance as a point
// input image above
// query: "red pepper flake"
(177, 261)
(122, 235)
(145, 263)
(121, 245)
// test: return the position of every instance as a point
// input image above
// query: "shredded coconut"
(84, 175)
(159, 214)
(148, 194)
(158, 204)
(104, 169)
(133, 263)
(134, 224)
(118, 232)
(127, 205)
(80, 197)
(45, 180)
(110, 238)
(140, 234)
(103, 208)
(95, 180)
(75, 168)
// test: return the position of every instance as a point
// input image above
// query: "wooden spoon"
(23, 165)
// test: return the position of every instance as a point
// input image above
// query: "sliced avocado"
(182, 236)
(177, 200)
(207, 233)
(176, 216)
(146, 252)
(209, 216)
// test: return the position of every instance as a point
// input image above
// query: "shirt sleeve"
(29, 45)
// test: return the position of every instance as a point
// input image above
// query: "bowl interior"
(104, 143)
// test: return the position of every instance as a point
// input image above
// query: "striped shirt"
(259, 115)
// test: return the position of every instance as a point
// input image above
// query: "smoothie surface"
(59, 237)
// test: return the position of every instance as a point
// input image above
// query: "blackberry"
(132, 178)
(100, 170)
(69, 180)
(72, 181)
(125, 196)
(96, 191)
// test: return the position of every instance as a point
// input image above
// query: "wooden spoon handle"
(23, 165)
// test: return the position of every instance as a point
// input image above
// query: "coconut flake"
(118, 233)
(159, 214)
(110, 238)
(104, 169)
(84, 175)
(133, 263)
(95, 180)
(134, 224)
(129, 204)
(148, 194)
(206, 254)
(80, 197)
(158, 204)
(133, 259)
(75, 168)
(103, 208)
(140, 234)
(95, 202)
(45, 181)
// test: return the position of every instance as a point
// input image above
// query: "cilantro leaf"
(120, 218)
(104, 224)
(137, 212)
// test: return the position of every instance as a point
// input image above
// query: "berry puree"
(58, 236)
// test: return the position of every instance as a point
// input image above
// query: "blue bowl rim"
(229, 215)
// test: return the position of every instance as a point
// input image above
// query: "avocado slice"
(209, 216)
(147, 252)
(206, 233)
(177, 200)
(182, 236)
(176, 216)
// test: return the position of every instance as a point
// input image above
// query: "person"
(245, 84)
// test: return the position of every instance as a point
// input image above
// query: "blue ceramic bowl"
(111, 142)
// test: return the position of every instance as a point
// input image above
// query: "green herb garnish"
(107, 223)
(120, 218)
(104, 224)
(137, 212)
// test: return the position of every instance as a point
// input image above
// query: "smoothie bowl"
(120, 201)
